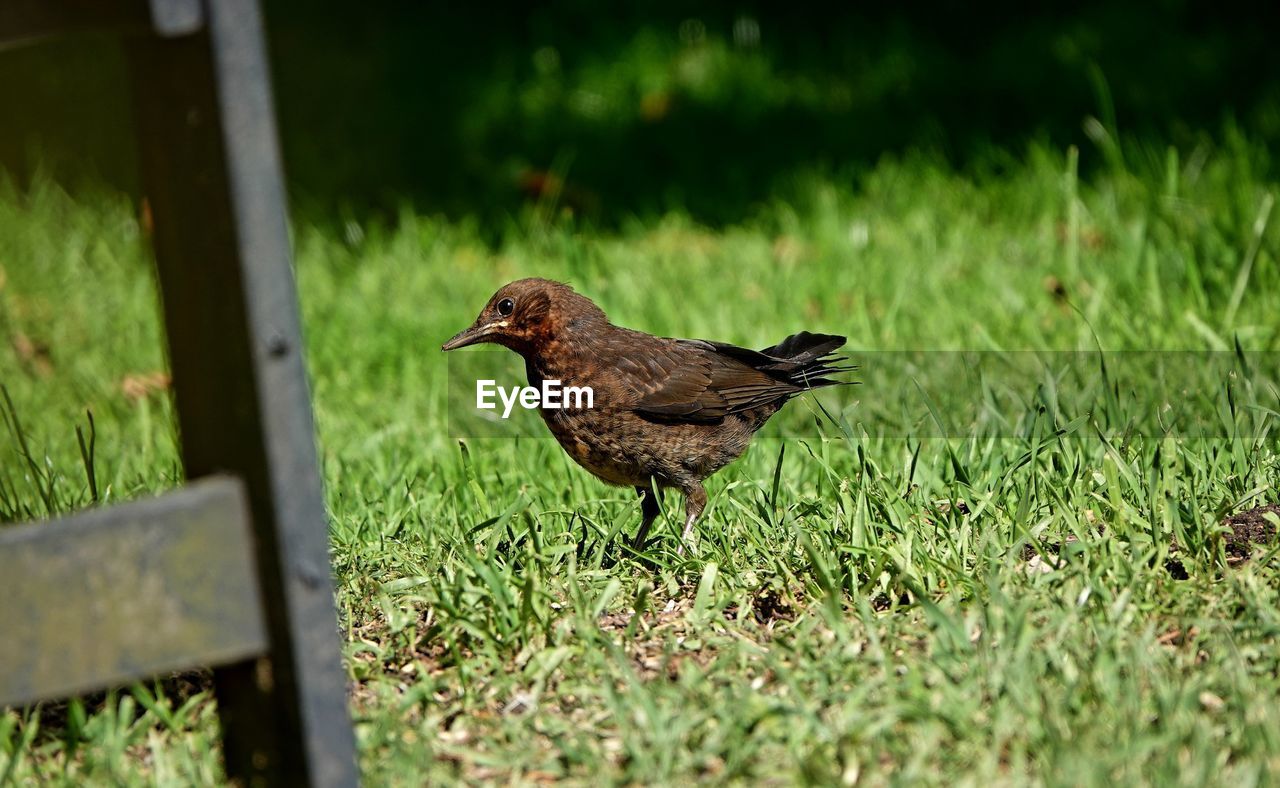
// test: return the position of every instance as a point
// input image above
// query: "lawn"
(1039, 598)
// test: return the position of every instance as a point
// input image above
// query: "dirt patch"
(671, 614)
(664, 641)
(771, 607)
(650, 649)
(33, 354)
(173, 690)
(139, 386)
(1248, 530)
(1034, 551)
(1174, 567)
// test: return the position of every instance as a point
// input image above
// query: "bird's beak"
(473, 335)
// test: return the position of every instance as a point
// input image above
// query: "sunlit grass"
(855, 608)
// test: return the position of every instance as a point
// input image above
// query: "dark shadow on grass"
(481, 109)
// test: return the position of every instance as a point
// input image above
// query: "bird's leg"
(695, 500)
(649, 510)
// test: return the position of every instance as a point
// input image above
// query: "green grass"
(841, 617)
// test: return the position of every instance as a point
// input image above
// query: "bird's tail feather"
(807, 359)
(803, 360)
(804, 346)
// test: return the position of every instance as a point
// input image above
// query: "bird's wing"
(695, 381)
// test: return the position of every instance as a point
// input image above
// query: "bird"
(664, 413)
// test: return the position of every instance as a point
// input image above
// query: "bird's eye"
(506, 306)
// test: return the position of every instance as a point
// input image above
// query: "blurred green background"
(477, 109)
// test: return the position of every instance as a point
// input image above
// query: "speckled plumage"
(670, 411)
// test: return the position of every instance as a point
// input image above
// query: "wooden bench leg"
(212, 173)
(121, 593)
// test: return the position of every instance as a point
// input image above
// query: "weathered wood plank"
(125, 592)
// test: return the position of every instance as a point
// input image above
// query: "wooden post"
(212, 174)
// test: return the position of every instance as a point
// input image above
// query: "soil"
(1249, 529)
(1246, 532)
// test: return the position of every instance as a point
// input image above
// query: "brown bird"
(670, 411)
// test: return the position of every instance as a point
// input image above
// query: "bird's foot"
(687, 534)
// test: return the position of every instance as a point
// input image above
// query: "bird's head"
(528, 315)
